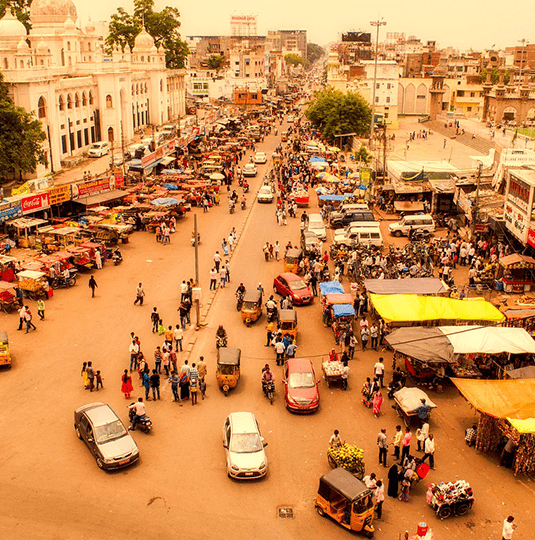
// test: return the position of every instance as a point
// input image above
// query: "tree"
(21, 137)
(494, 76)
(335, 113)
(314, 53)
(216, 61)
(293, 59)
(161, 25)
(19, 8)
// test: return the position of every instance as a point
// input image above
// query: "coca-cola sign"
(34, 203)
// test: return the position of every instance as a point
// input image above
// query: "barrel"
(422, 529)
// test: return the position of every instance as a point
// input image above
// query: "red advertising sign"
(531, 237)
(160, 152)
(119, 179)
(92, 187)
(34, 203)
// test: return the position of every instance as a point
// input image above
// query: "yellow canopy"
(411, 307)
(513, 399)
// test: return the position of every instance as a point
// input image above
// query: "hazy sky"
(460, 23)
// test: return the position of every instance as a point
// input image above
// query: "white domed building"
(81, 94)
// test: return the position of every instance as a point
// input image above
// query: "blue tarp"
(343, 310)
(331, 287)
(315, 159)
(170, 187)
(333, 197)
(164, 201)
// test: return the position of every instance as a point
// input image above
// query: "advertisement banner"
(119, 179)
(92, 187)
(159, 153)
(531, 237)
(59, 194)
(365, 175)
(10, 210)
(34, 203)
(22, 190)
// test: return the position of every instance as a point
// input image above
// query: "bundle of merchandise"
(452, 491)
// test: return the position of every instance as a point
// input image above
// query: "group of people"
(164, 229)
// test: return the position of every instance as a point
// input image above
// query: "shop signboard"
(516, 222)
(119, 179)
(365, 175)
(531, 237)
(9, 210)
(59, 194)
(159, 153)
(34, 203)
(92, 187)
(22, 190)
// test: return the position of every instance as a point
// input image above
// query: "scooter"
(243, 204)
(271, 314)
(245, 186)
(221, 341)
(239, 301)
(143, 422)
(269, 390)
(117, 257)
(231, 207)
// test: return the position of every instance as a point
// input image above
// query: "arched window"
(109, 102)
(41, 62)
(6, 63)
(62, 57)
(22, 64)
(133, 89)
(76, 100)
(41, 108)
(69, 101)
(68, 45)
(145, 88)
(142, 58)
(110, 134)
(90, 97)
(137, 88)
(89, 46)
(70, 61)
(84, 99)
(61, 103)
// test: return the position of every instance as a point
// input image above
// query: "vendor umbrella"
(217, 176)
(164, 201)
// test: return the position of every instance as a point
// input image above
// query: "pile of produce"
(29, 285)
(452, 491)
(348, 457)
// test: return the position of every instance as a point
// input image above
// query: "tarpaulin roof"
(343, 310)
(513, 399)
(441, 343)
(331, 287)
(527, 372)
(333, 197)
(421, 286)
(411, 307)
(317, 159)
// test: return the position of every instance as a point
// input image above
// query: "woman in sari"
(377, 402)
(184, 385)
(367, 392)
(405, 488)
(85, 378)
(126, 387)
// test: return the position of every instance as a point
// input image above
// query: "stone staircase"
(478, 143)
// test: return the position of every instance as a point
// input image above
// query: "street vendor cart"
(7, 268)
(5, 355)
(450, 498)
(34, 284)
(343, 316)
(517, 273)
(8, 297)
(409, 399)
(332, 372)
(348, 457)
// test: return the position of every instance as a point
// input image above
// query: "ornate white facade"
(80, 94)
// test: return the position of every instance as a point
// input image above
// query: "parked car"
(290, 119)
(105, 435)
(316, 225)
(98, 149)
(367, 233)
(250, 169)
(310, 243)
(264, 194)
(260, 158)
(301, 386)
(416, 222)
(340, 220)
(293, 285)
(244, 446)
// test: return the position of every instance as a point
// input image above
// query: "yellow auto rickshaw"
(5, 355)
(287, 322)
(228, 368)
(292, 259)
(252, 306)
(277, 159)
(284, 136)
(347, 500)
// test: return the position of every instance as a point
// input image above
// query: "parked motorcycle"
(117, 257)
(143, 422)
(61, 283)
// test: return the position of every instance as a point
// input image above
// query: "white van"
(317, 226)
(98, 149)
(354, 206)
(416, 222)
(363, 235)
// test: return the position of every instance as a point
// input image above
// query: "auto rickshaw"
(347, 500)
(287, 323)
(284, 136)
(277, 159)
(292, 259)
(252, 306)
(5, 355)
(228, 368)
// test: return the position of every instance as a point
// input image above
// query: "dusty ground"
(52, 488)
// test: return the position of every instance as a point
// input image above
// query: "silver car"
(244, 446)
(105, 435)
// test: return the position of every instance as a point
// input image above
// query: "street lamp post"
(378, 25)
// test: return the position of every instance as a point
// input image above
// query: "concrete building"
(80, 94)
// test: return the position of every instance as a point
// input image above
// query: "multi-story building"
(80, 94)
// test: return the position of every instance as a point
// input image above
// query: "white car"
(317, 226)
(290, 119)
(98, 149)
(244, 446)
(260, 158)
(250, 169)
(265, 195)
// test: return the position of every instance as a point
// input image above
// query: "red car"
(293, 285)
(301, 386)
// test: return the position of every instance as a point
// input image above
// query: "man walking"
(92, 285)
(429, 450)
(155, 318)
(91, 376)
(22, 319)
(213, 279)
(382, 443)
(28, 320)
(41, 309)
(508, 528)
(406, 444)
(155, 384)
(269, 333)
(193, 383)
(379, 371)
(178, 336)
(134, 351)
(140, 293)
(217, 260)
(173, 379)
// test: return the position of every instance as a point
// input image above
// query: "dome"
(52, 11)
(89, 27)
(23, 45)
(11, 29)
(144, 41)
(69, 24)
(42, 48)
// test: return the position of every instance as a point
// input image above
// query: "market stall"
(25, 230)
(34, 284)
(342, 317)
(422, 286)
(507, 409)
(7, 268)
(517, 273)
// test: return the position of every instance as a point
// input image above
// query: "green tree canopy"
(19, 8)
(21, 137)
(494, 76)
(334, 113)
(216, 61)
(314, 53)
(162, 25)
(293, 59)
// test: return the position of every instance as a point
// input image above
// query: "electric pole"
(378, 25)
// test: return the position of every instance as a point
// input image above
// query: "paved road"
(52, 488)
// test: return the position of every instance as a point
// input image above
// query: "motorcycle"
(221, 341)
(117, 257)
(269, 390)
(271, 314)
(245, 187)
(231, 207)
(143, 422)
(239, 300)
(192, 239)
(243, 204)
(61, 283)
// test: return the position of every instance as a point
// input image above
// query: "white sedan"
(250, 170)
(260, 158)
(265, 195)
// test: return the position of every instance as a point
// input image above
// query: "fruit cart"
(448, 498)
(332, 372)
(5, 355)
(8, 297)
(33, 284)
(348, 457)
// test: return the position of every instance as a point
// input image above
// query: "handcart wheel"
(462, 508)
(444, 512)
(406, 420)
(331, 461)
